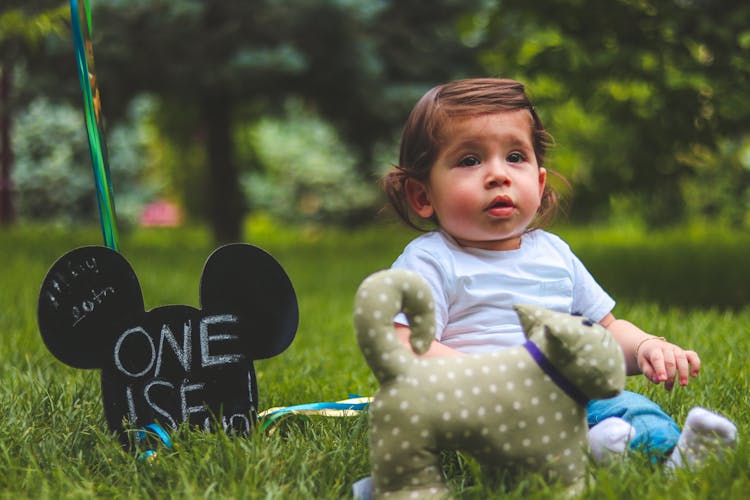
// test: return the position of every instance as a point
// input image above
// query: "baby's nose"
(497, 174)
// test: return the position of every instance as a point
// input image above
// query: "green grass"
(695, 266)
(54, 441)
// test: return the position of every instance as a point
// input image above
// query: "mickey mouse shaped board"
(173, 364)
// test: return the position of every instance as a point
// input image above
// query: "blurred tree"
(313, 178)
(23, 29)
(203, 59)
(647, 95)
(51, 149)
(371, 61)
(719, 192)
(212, 63)
(666, 79)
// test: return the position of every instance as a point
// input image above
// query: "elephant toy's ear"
(249, 283)
(83, 298)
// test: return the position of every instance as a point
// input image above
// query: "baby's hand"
(662, 361)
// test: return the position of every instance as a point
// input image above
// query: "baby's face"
(485, 186)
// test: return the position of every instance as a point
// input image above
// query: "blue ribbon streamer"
(271, 417)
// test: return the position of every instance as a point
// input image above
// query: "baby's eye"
(515, 158)
(469, 161)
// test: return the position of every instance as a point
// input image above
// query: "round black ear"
(248, 282)
(84, 297)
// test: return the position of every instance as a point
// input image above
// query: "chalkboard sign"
(172, 364)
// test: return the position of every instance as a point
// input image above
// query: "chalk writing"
(60, 280)
(160, 394)
(88, 266)
(239, 422)
(155, 355)
(87, 305)
(152, 356)
(118, 349)
(173, 364)
(183, 354)
(207, 359)
(158, 409)
(187, 409)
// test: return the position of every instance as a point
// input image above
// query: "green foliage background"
(51, 152)
(645, 98)
(312, 177)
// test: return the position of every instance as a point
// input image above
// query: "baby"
(471, 166)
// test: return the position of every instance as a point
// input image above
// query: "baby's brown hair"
(420, 140)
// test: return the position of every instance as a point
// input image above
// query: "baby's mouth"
(500, 203)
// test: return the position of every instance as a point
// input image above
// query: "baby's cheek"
(459, 207)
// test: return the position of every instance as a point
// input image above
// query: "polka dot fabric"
(500, 407)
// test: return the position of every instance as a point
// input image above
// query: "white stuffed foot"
(362, 489)
(705, 433)
(609, 439)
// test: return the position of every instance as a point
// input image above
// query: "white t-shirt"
(475, 289)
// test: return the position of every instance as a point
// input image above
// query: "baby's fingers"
(671, 364)
(688, 364)
(683, 367)
(695, 362)
(654, 368)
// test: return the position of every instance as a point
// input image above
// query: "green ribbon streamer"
(80, 15)
(348, 407)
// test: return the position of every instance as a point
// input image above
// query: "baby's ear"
(85, 295)
(249, 283)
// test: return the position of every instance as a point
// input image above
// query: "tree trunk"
(226, 207)
(7, 214)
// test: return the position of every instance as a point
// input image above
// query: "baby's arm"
(658, 359)
(436, 349)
